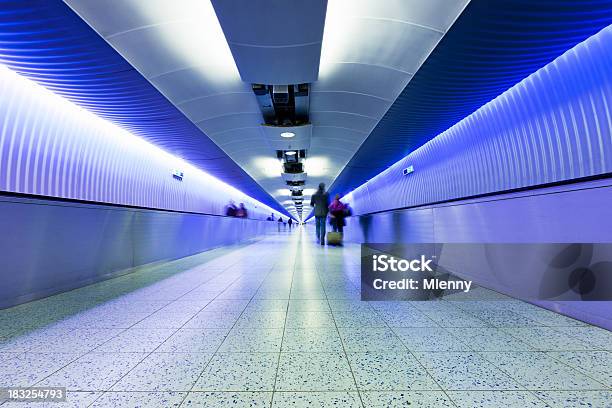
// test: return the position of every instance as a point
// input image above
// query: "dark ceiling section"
(493, 45)
(47, 42)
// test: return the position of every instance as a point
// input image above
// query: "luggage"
(334, 238)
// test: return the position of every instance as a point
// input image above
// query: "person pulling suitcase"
(337, 214)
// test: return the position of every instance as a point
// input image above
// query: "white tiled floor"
(280, 323)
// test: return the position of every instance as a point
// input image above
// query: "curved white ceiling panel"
(191, 83)
(381, 44)
(347, 120)
(358, 103)
(295, 64)
(240, 133)
(371, 50)
(299, 141)
(211, 106)
(131, 13)
(230, 120)
(334, 135)
(341, 76)
(435, 14)
(272, 23)
(274, 42)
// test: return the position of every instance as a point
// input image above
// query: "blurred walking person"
(242, 212)
(337, 213)
(320, 202)
(231, 209)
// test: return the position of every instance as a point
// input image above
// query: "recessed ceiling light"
(290, 153)
(287, 134)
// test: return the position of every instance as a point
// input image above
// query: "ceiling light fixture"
(290, 153)
(287, 135)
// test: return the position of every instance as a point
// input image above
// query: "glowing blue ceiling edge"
(32, 114)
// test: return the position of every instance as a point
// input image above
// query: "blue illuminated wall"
(493, 45)
(52, 246)
(555, 125)
(51, 147)
(48, 43)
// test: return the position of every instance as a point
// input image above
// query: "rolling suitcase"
(334, 238)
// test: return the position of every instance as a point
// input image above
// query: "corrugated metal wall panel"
(51, 147)
(554, 126)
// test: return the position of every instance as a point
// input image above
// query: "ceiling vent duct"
(280, 94)
(301, 101)
(291, 155)
(283, 105)
(293, 168)
(294, 176)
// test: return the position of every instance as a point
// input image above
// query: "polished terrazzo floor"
(279, 323)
